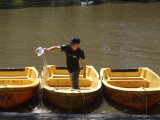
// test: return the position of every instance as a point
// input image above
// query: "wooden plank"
(62, 76)
(129, 83)
(66, 82)
(126, 78)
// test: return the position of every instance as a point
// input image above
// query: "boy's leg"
(74, 76)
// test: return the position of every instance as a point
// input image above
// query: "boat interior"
(131, 78)
(17, 76)
(59, 78)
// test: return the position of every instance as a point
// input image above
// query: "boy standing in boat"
(73, 54)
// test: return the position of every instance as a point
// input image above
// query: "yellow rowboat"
(17, 85)
(57, 88)
(136, 88)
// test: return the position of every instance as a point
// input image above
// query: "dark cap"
(75, 40)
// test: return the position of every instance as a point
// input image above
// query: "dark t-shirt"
(72, 57)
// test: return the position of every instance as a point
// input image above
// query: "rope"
(146, 101)
(146, 106)
(83, 99)
(5, 97)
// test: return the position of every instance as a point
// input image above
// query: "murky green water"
(124, 35)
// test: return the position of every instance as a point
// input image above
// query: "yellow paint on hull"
(137, 89)
(17, 86)
(57, 88)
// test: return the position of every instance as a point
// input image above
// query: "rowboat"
(17, 85)
(137, 88)
(58, 91)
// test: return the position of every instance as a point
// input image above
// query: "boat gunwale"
(34, 83)
(92, 89)
(140, 89)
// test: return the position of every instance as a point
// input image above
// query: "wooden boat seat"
(127, 78)
(70, 88)
(63, 76)
(66, 82)
(15, 81)
(129, 83)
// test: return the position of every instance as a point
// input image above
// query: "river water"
(116, 35)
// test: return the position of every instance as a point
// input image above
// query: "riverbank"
(58, 3)
(58, 116)
(36, 3)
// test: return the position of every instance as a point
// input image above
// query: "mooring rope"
(5, 97)
(83, 99)
(146, 100)
(146, 106)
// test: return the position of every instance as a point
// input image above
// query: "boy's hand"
(46, 49)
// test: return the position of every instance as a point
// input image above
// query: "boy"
(73, 54)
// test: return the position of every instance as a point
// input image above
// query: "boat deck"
(62, 76)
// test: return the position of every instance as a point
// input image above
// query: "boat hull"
(58, 89)
(140, 100)
(70, 101)
(136, 88)
(17, 85)
(11, 98)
